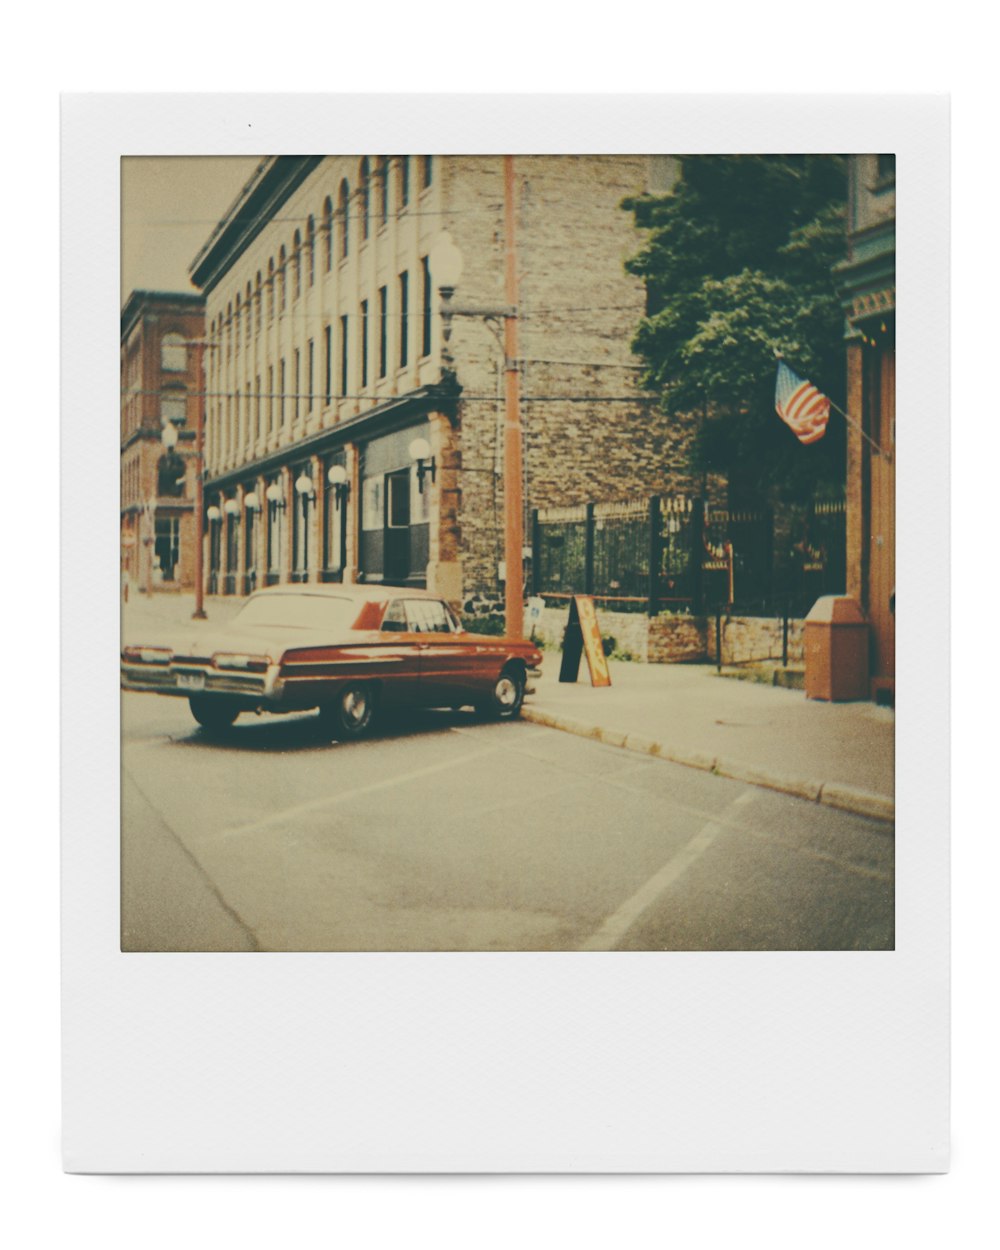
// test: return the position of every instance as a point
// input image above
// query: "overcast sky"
(170, 205)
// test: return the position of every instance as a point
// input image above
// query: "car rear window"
(299, 611)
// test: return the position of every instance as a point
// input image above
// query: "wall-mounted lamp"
(251, 502)
(231, 507)
(420, 451)
(337, 477)
(274, 495)
(213, 513)
(304, 486)
(169, 436)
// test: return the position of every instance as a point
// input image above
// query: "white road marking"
(619, 922)
(342, 796)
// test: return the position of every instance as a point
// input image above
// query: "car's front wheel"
(505, 699)
(213, 714)
(350, 714)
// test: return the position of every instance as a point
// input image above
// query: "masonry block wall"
(679, 639)
(590, 433)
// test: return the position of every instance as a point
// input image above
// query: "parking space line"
(342, 796)
(619, 922)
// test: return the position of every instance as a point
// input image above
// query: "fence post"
(718, 640)
(655, 526)
(697, 555)
(588, 552)
(536, 551)
(784, 638)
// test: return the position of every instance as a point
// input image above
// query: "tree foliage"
(737, 267)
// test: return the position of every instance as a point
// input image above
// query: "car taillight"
(147, 655)
(246, 663)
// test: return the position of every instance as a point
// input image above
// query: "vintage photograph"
(508, 553)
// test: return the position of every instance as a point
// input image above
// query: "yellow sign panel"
(583, 635)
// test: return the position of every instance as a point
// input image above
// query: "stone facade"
(326, 348)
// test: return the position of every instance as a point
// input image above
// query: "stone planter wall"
(747, 638)
(669, 639)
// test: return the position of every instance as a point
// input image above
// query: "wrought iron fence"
(675, 553)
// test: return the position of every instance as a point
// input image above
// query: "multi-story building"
(160, 393)
(867, 281)
(345, 439)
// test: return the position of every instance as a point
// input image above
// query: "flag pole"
(850, 421)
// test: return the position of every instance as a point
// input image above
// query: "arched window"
(236, 322)
(426, 171)
(282, 272)
(382, 190)
(310, 250)
(296, 265)
(344, 214)
(328, 234)
(248, 304)
(270, 289)
(403, 180)
(173, 353)
(364, 196)
(256, 300)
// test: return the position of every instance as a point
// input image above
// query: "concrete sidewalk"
(842, 754)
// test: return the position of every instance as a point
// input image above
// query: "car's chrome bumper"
(186, 679)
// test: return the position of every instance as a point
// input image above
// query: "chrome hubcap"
(355, 705)
(506, 692)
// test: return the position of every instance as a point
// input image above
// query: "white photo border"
(647, 1062)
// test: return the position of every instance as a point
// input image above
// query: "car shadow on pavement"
(304, 731)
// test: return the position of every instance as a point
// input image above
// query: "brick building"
(325, 357)
(159, 415)
(867, 283)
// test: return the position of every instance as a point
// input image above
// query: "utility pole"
(513, 499)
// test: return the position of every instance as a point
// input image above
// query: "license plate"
(191, 681)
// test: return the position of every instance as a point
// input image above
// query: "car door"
(449, 665)
(398, 656)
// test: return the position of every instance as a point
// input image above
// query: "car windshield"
(299, 611)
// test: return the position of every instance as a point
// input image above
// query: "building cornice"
(256, 206)
(140, 302)
(384, 418)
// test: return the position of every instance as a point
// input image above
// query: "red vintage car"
(346, 650)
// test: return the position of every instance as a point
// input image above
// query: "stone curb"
(847, 798)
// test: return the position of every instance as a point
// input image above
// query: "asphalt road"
(440, 832)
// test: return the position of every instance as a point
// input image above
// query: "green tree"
(737, 267)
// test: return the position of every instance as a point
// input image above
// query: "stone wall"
(676, 639)
(679, 639)
(590, 433)
(630, 630)
(754, 638)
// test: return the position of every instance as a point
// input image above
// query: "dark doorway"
(397, 526)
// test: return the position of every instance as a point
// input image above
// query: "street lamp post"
(199, 489)
(446, 267)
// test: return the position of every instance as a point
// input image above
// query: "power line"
(253, 396)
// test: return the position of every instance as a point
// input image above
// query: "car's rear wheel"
(213, 714)
(350, 714)
(505, 699)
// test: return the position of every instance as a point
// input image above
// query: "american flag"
(800, 405)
